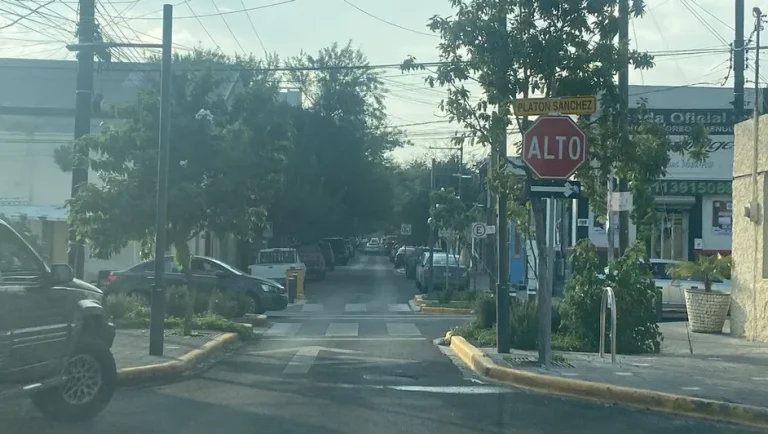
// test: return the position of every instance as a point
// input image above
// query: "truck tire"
(91, 382)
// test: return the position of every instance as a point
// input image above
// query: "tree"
(337, 179)
(226, 160)
(547, 48)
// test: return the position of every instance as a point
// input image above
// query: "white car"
(373, 246)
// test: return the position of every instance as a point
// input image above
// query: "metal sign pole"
(545, 298)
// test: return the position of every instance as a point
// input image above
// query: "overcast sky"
(308, 25)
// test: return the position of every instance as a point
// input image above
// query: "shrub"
(223, 304)
(118, 306)
(523, 324)
(485, 310)
(635, 292)
(446, 296)
(177, 301)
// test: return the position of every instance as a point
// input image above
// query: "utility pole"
(738, 62)
(623, 123)
(758, 14)
(157, 315)
(430, 282)
(83, 103)
(502, 228)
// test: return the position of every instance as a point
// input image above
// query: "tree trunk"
(539, 208)
(183, 257)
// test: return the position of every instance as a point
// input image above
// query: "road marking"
(624, 374)
(283, 329)
(399, 307)
(760, 378)
(302, 361)
(355, 307)
(342, 329)
(312, 307)
(691, 388)
(455, 390)
(402, 329)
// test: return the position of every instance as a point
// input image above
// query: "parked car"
(448, 270)
(350, 248)
(312, 257)
(274, 264)
(402, 255)
(330, 261)
(673, 290)
(372, 247)
(340, 252)
(208, 274)
(412, 260)
(55, 341)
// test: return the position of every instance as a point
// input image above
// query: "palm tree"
(706, 268)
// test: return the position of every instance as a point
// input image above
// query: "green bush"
(446, 296)
(223, 304)
(635, 292)
(118, 306)
(523, 324)
(485, 310)
(177, 301)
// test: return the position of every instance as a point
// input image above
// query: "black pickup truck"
(55, 337)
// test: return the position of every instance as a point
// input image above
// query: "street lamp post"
(157, 315)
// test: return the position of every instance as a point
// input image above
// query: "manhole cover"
(528, 361)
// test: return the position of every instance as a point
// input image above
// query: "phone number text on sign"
(684, 188)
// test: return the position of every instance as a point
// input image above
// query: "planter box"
(707, 311)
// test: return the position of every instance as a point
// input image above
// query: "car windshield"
(447, 259)
(225, 266)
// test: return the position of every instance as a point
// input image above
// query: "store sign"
(14, 201)
(692, 188)
(722, 217)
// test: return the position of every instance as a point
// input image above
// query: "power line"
(712, 15)
(199, 21)
(226, 24)
(389, 22)
(145, 17)
(253, 26)
(25, 16)
(703, 22)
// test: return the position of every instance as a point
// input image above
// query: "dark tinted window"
(16, 258)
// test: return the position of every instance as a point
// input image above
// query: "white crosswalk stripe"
(399, 307)
(342, 329)
(312, 307)
(402, 329)
(355, 307)
(283, 329)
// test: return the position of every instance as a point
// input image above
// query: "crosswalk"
(353, 308)
(343, 330)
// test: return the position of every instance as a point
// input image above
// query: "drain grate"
(528, 361)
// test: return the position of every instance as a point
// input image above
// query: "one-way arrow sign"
(560, 189)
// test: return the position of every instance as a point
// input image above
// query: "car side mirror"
(61, 273)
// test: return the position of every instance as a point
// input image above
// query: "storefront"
(693, 201)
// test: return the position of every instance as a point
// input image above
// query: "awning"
(52, 213)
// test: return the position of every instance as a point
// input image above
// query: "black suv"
(55, 340)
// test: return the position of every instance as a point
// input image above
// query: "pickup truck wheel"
(90, 378)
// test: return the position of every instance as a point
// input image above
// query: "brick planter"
(707, 310)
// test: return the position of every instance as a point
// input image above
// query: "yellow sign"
(569, 105)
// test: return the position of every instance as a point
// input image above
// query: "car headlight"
(268, 288)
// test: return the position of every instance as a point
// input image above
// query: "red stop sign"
(554, 147)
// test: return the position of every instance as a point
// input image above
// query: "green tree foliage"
(337, 179)
(635, 291)
(226, 158)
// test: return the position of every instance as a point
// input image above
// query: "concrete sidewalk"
(721, 368)
(131, 352)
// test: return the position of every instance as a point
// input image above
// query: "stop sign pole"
(554, 147)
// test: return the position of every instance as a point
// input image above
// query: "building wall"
(749, 306)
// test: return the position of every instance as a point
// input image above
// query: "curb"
(414, 307)
(608, 393)
(176, 367)
(450, 310)
(256, 320)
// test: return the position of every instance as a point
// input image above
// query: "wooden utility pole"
(623, 123)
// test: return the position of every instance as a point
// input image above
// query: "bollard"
(292, 288)
(299, 284)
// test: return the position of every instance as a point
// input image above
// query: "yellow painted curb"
(433, 309)
(648, 399)
(178, 366)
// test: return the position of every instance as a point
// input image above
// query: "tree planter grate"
(529, 361)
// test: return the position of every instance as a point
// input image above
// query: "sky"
(288, 27)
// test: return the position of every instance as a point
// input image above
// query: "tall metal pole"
(623, 123)
(83, 105)
(157, 316)
(502, 227)
(545, 320)
(430, 283)
(756, 109)
(738, 62)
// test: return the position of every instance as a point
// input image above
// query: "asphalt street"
(354, 362)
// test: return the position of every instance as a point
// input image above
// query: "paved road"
(342, 370)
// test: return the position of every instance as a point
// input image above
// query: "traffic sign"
(569, 105)
(479, 230)
(561, 189)
(554, 147)
(405, 229)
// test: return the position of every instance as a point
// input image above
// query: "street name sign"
(554, 147)
(562, 189)
(570, 105)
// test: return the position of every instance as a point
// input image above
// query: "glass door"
(670, 236)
